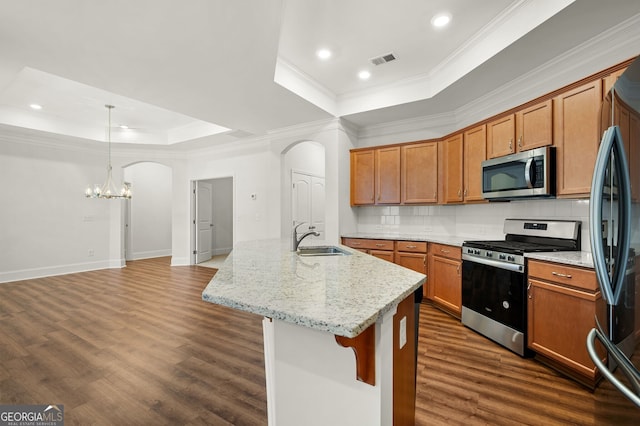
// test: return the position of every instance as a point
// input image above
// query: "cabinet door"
(382, 254)
(577, 137)
(362, 177)
(533, 126)
(388, 175)
(475, 152)
(414, 261)
(446, 283)
(559, 319)
(500, 137)
(420, 173)
(452, 163)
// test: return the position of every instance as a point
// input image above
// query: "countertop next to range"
(340, 294)
(574, 258)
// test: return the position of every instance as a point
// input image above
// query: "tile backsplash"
(473, 221)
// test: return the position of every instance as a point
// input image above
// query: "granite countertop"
(343, 295)
(452, 240)
(575, 258)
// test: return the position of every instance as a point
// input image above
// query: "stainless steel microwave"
(525, 174)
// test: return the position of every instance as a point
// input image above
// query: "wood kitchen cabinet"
(445, 278)
(475, 152)
(419, 166)
(528, 128)
(412, 255)
(375, 176)
(562, 303)
(534, 127)
(500, 133)
(452, 170)
(576, 123)
(383, 249)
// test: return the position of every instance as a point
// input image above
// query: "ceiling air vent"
(379, 60)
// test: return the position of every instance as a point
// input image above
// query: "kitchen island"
(339, 332)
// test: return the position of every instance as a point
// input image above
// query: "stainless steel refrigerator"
(614, 230)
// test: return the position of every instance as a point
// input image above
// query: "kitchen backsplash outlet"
(472, 221)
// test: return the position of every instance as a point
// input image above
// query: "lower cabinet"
(383, 249)
(562, 303)
(412, 255)
(444, 286)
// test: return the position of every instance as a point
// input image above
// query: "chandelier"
(108, 189)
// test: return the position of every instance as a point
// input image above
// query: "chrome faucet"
(295, 241)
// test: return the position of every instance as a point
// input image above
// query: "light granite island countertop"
(339, 332)
(340, 294)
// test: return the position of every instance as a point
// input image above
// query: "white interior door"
(317, 204)
(308, 201)
(204, 221)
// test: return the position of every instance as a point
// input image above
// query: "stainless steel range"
(494, 274)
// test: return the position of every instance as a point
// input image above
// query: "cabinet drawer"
(411, 246)
(362, 243)
(581, 278)
(444, 250)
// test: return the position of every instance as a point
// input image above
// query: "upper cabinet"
(577, 136)
(419, 166)
(388, 175)
(534, 127)
(363, 177)
(452, 169)
(375, 176)
(475, 152)
(528, 128)
(500, 135)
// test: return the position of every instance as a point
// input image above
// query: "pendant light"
(108, 189)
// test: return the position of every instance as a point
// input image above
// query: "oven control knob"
(470, 251)
(489, 254)
(476, 252)
(502, 257)
(511, 258)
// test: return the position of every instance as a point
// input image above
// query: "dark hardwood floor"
(137, 346)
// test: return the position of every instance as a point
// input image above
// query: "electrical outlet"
(254, 196)
(403, 332)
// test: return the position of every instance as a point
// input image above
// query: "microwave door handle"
(527, 172)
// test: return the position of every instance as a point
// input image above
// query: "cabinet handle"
(520, 142)
(458, 269)
(529, 290)
(511, 144)
(459, 192)
(444, 251)
(558, 274)
(380, 245)
(356, 244)
(412, 247)
(466, 191)
(424, 260)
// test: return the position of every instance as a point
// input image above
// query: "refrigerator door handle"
(611, 287)
(623, 362)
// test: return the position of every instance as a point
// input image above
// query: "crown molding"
(611, 47)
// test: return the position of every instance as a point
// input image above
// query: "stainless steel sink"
(322, 251)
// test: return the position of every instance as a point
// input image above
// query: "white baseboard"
(180, 261)
(27, 274)
(219, 251)
(150, 254)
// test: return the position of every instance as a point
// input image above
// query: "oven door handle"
(490, 262)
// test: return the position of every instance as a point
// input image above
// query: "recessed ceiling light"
(35, 106)
(364, 75)
(324, 54)
(441, 20)
(124, 126)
